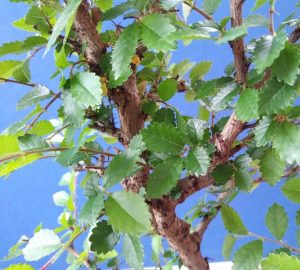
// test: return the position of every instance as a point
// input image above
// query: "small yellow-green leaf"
(291, 189)
(232, 220)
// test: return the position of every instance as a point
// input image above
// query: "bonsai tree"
(115, 84)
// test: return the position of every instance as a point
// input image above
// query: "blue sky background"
(26, 196)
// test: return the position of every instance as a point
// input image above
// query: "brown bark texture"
(128, 102)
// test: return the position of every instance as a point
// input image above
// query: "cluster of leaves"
(171, 147)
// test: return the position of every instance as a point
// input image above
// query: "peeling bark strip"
(129, 107)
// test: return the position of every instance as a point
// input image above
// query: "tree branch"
(56, 96)
(14, 81)
(177, 232)
(295, 35)
(278, 242)
(200, 11)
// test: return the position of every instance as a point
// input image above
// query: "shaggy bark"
(177, 232)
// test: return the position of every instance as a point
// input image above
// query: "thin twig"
(14, 81)
(271, 20)
(35, 52)
(56, 96)
(287, 174)
(76, 255)
(57, 131)
(241, 145)
(278, 242)
(53, 259)
(73, 66)
(200, 11)
(59, 149)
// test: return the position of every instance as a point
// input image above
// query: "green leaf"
(122, 165)
(165, 115)
(17, 47)
(298, 237)
(167, 4)
(36, 18)
(32, 42)
(286, 66)
(31, 142)
(22, 73)
(104, 5)
(128, 213)
(9, 167)
(224, 97)
(267, 49)
(203, 114)
(91, 187)
(41, 244)
(280, 261)
(200, 70)
(243, 179)
(71, 156)
(259, 3)
(116, 11)
(8, 67)
(195, 129)
(155, 30)
(248, 256)
(298, 218)
(163, 138)
(86, 89)
(124, 50)
(9, 144)
(232, 220)
(11, 47)
(256, 20)
(277, 220)
(167, 89)
(61, 58)
(38, 93)
(286, 141)
(222, 173)
(276, 96)
(271, 166)
(140, 4)
(91, 209)
(74, 113)
(42, 128)
(182, 68)
(16, 250)
(156, 245)
(197, 161)
(264, 131)
(164, 177)
(233, 34)
(133, 252)
(19, 267)
(64, 18)
(247, 105)
(228, 246)
(103, 239)
(291, 189)
(210, 6)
